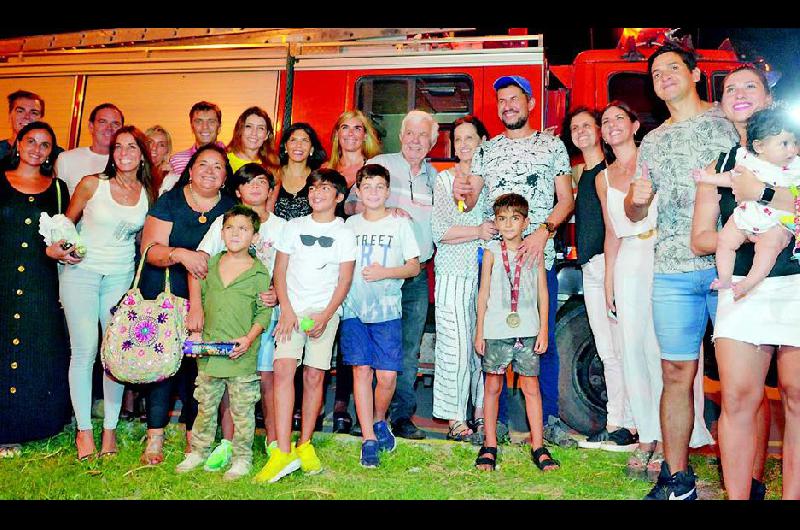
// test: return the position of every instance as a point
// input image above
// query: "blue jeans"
(87, 298)
(548, 362)
(415, 312)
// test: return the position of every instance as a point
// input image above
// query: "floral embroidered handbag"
(142, 343)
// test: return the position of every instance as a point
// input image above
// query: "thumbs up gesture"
(641, 190)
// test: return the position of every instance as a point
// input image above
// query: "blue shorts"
(682, 304)
(266, 352)
(379, 345)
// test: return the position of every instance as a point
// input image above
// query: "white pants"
(608, 341)
(457, 368)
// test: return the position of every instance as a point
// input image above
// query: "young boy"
(232, 313)
(313, 271)
(510, 329)
(253, 185)
(372, 335)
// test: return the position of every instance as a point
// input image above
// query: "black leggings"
(159, 397)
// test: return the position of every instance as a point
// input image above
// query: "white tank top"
(624, 227)
(499, 304)
(108, 230)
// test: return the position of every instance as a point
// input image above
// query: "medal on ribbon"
(513, 319)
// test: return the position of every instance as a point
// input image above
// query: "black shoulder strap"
(727, 161)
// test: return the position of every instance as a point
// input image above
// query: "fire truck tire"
(582, 387)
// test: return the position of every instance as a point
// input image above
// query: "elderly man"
(104, 120)
(23, 108)
(412, 180)
(206, 119)
(536, 166)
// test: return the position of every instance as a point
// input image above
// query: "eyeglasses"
(324, 241)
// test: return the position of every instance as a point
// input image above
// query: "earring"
(113, 166)
(47, 161)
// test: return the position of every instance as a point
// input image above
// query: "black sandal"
(483, 461)
(549, 461)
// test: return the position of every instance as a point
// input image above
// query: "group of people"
(651, 281)
(301, 259)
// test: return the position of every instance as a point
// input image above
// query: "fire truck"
(311, 75)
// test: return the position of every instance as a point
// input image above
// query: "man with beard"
(535, 165)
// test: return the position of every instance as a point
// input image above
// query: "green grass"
(418, 470)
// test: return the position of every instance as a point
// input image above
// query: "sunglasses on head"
(324, 241)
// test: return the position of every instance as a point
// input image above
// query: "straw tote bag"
(142, 343)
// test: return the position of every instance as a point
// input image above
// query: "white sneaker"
(239, 469)
(191, 461)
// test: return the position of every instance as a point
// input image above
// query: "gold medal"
(513, 319)
(202, 219)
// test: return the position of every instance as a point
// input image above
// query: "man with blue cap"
(535, 165)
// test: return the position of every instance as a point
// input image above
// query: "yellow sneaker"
(278, 466)
(309, 462)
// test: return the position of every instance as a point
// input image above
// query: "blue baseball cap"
(516, 80)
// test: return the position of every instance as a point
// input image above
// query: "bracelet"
(169, 256)
(794, 190)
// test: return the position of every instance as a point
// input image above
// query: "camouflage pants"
(244, 391)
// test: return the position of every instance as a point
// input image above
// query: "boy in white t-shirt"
(313, 271)
(253, 185)
(372, 332)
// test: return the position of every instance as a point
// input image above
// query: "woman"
(750, 330)
(111, 207)
(253, 140)
(353, 142)
(175, 225)
(458, 231)
(582, 133)
(300, 153)
(160, 146)
(628, 250)
(34, 401)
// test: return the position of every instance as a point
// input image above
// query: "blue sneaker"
(369, 453)
(384, 435)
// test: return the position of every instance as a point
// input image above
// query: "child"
(313, 271)
(232, 313)
(372, 334)
(509, 329)
(771, 149)
(253, 185)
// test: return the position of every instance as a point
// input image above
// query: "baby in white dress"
(771, 155)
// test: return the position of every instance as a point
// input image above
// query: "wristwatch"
(767, 194)
(550, 227)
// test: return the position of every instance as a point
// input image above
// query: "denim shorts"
(379, 345)
(266, 352)
(682, 304)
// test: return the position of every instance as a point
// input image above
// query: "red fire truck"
(155, 74)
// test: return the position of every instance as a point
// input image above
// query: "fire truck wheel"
(582, 387)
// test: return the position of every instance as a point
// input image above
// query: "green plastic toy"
(306, 324)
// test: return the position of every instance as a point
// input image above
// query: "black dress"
(34, 349)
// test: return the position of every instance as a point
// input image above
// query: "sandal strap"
(488, 450)
(549, 461)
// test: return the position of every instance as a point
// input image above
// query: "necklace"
(202, 219)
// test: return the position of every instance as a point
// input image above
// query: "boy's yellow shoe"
(309, 462)
(278, 466)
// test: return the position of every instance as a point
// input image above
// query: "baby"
(771, 155)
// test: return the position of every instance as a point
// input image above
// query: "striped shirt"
(179, 160)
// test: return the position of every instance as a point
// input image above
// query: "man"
(104, 120)
(23, 108)
(412, 178)
(693, 136)
(206, 120)
(536, 166)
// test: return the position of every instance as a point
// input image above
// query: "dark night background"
(778, 46)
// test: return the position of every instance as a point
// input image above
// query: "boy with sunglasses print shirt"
(313, 271)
